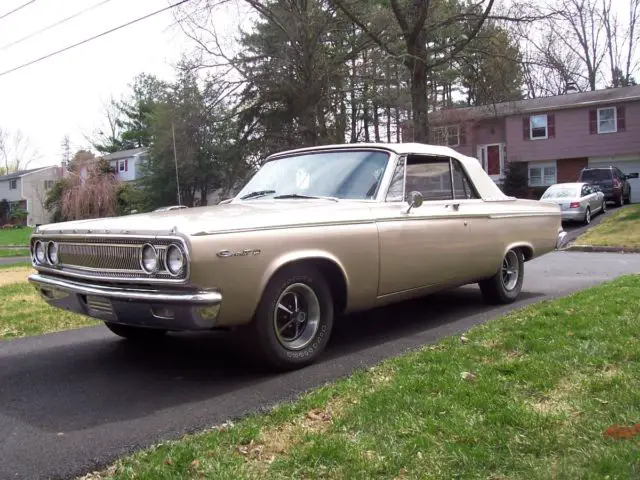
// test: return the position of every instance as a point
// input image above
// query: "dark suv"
(611, 181)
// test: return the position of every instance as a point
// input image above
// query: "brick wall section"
(569, 169)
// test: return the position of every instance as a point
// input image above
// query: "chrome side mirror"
(414, 199)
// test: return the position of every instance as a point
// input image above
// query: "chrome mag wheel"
(296, 317)
(510, 270)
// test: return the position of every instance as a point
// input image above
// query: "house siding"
(572, 135)
(11, 195)
(34, 191)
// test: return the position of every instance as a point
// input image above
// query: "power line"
(90, 38)
(16, 9)
(49, 27)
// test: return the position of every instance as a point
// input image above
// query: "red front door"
(493, 160)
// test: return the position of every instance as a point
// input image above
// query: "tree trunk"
(419, 104)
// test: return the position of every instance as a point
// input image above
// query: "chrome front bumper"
(144, 307)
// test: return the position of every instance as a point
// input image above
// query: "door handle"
(455, 206)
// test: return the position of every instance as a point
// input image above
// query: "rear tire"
(587, 216)
(293, 320)
(135, 333)
(604, 206)
(505, 286)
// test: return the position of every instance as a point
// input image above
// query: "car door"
(586, 196)
(425, 245)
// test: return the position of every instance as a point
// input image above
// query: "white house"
(126, 163)
(27, 189)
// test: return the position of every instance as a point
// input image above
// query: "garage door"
(626, 166)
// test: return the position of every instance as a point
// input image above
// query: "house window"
(538, 126)
(121, 165)
(542, 174)
(48, 184)
(448, 136)
(13, 184)
(607, 121)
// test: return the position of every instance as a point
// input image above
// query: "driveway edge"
(601, 248)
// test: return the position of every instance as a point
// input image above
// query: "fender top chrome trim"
(202, 297)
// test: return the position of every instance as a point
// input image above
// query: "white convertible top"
(487, 189)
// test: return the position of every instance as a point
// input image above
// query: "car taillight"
(574, 205)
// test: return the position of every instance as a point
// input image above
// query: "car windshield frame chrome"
(385, 179)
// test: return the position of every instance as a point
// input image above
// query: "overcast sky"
(65, 94)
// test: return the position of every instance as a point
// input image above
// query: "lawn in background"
(548, 391)
(15, 236)
(621, 229)
(23, 312)
(14, 252)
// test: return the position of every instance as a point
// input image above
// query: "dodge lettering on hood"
(315, 233)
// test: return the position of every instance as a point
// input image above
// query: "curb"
(599, 248)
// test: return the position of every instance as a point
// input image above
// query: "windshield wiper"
(257, 193)
(297, 195)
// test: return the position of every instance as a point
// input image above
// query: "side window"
(396, 187)
(430, 177)
(461, 185)
(585, 190)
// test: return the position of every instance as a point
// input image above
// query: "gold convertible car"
(315, 233)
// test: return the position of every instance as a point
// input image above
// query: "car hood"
(220, 218)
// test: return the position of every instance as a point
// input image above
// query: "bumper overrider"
(144, 307)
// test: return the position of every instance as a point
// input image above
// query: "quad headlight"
(149, 258)
(39, 252)
(175, 260)
(52, 253)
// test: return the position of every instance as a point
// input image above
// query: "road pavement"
(74, 401)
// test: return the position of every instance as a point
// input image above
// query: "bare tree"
(16, 151)
(428, 41)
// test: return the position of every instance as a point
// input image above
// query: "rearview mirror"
(414, 199)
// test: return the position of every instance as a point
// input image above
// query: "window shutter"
(593, 121)
(126, 165)
(463, 134)
(620, 118)
(526, 131)
(551, 126)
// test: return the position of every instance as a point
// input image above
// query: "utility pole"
(175, 159)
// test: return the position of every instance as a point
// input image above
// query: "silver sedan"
(578, 201)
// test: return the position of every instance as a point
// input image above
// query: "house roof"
(20, 173)
(557, 102)
(124, 153)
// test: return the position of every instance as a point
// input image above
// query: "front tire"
(135, 333)
(620, 200)
(505, 286)
(294, 318)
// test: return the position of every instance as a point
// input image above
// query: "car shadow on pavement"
(103, 380)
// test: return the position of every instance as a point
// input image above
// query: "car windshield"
(343, 174)
(596, 175)
(561, 192)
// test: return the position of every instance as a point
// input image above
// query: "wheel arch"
(525, 248)
(329, 266)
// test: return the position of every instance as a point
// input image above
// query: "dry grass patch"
(15, 275)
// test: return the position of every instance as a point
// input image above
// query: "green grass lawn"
(14, 252)
(528, 396)
(23, 312)
(622, 229)
(15, 236)
(21, 264)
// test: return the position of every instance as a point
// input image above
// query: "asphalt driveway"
(73, 401)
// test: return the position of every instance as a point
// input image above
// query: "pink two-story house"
(554, 136)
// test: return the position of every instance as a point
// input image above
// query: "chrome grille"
(115, 258)
(100, 256)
